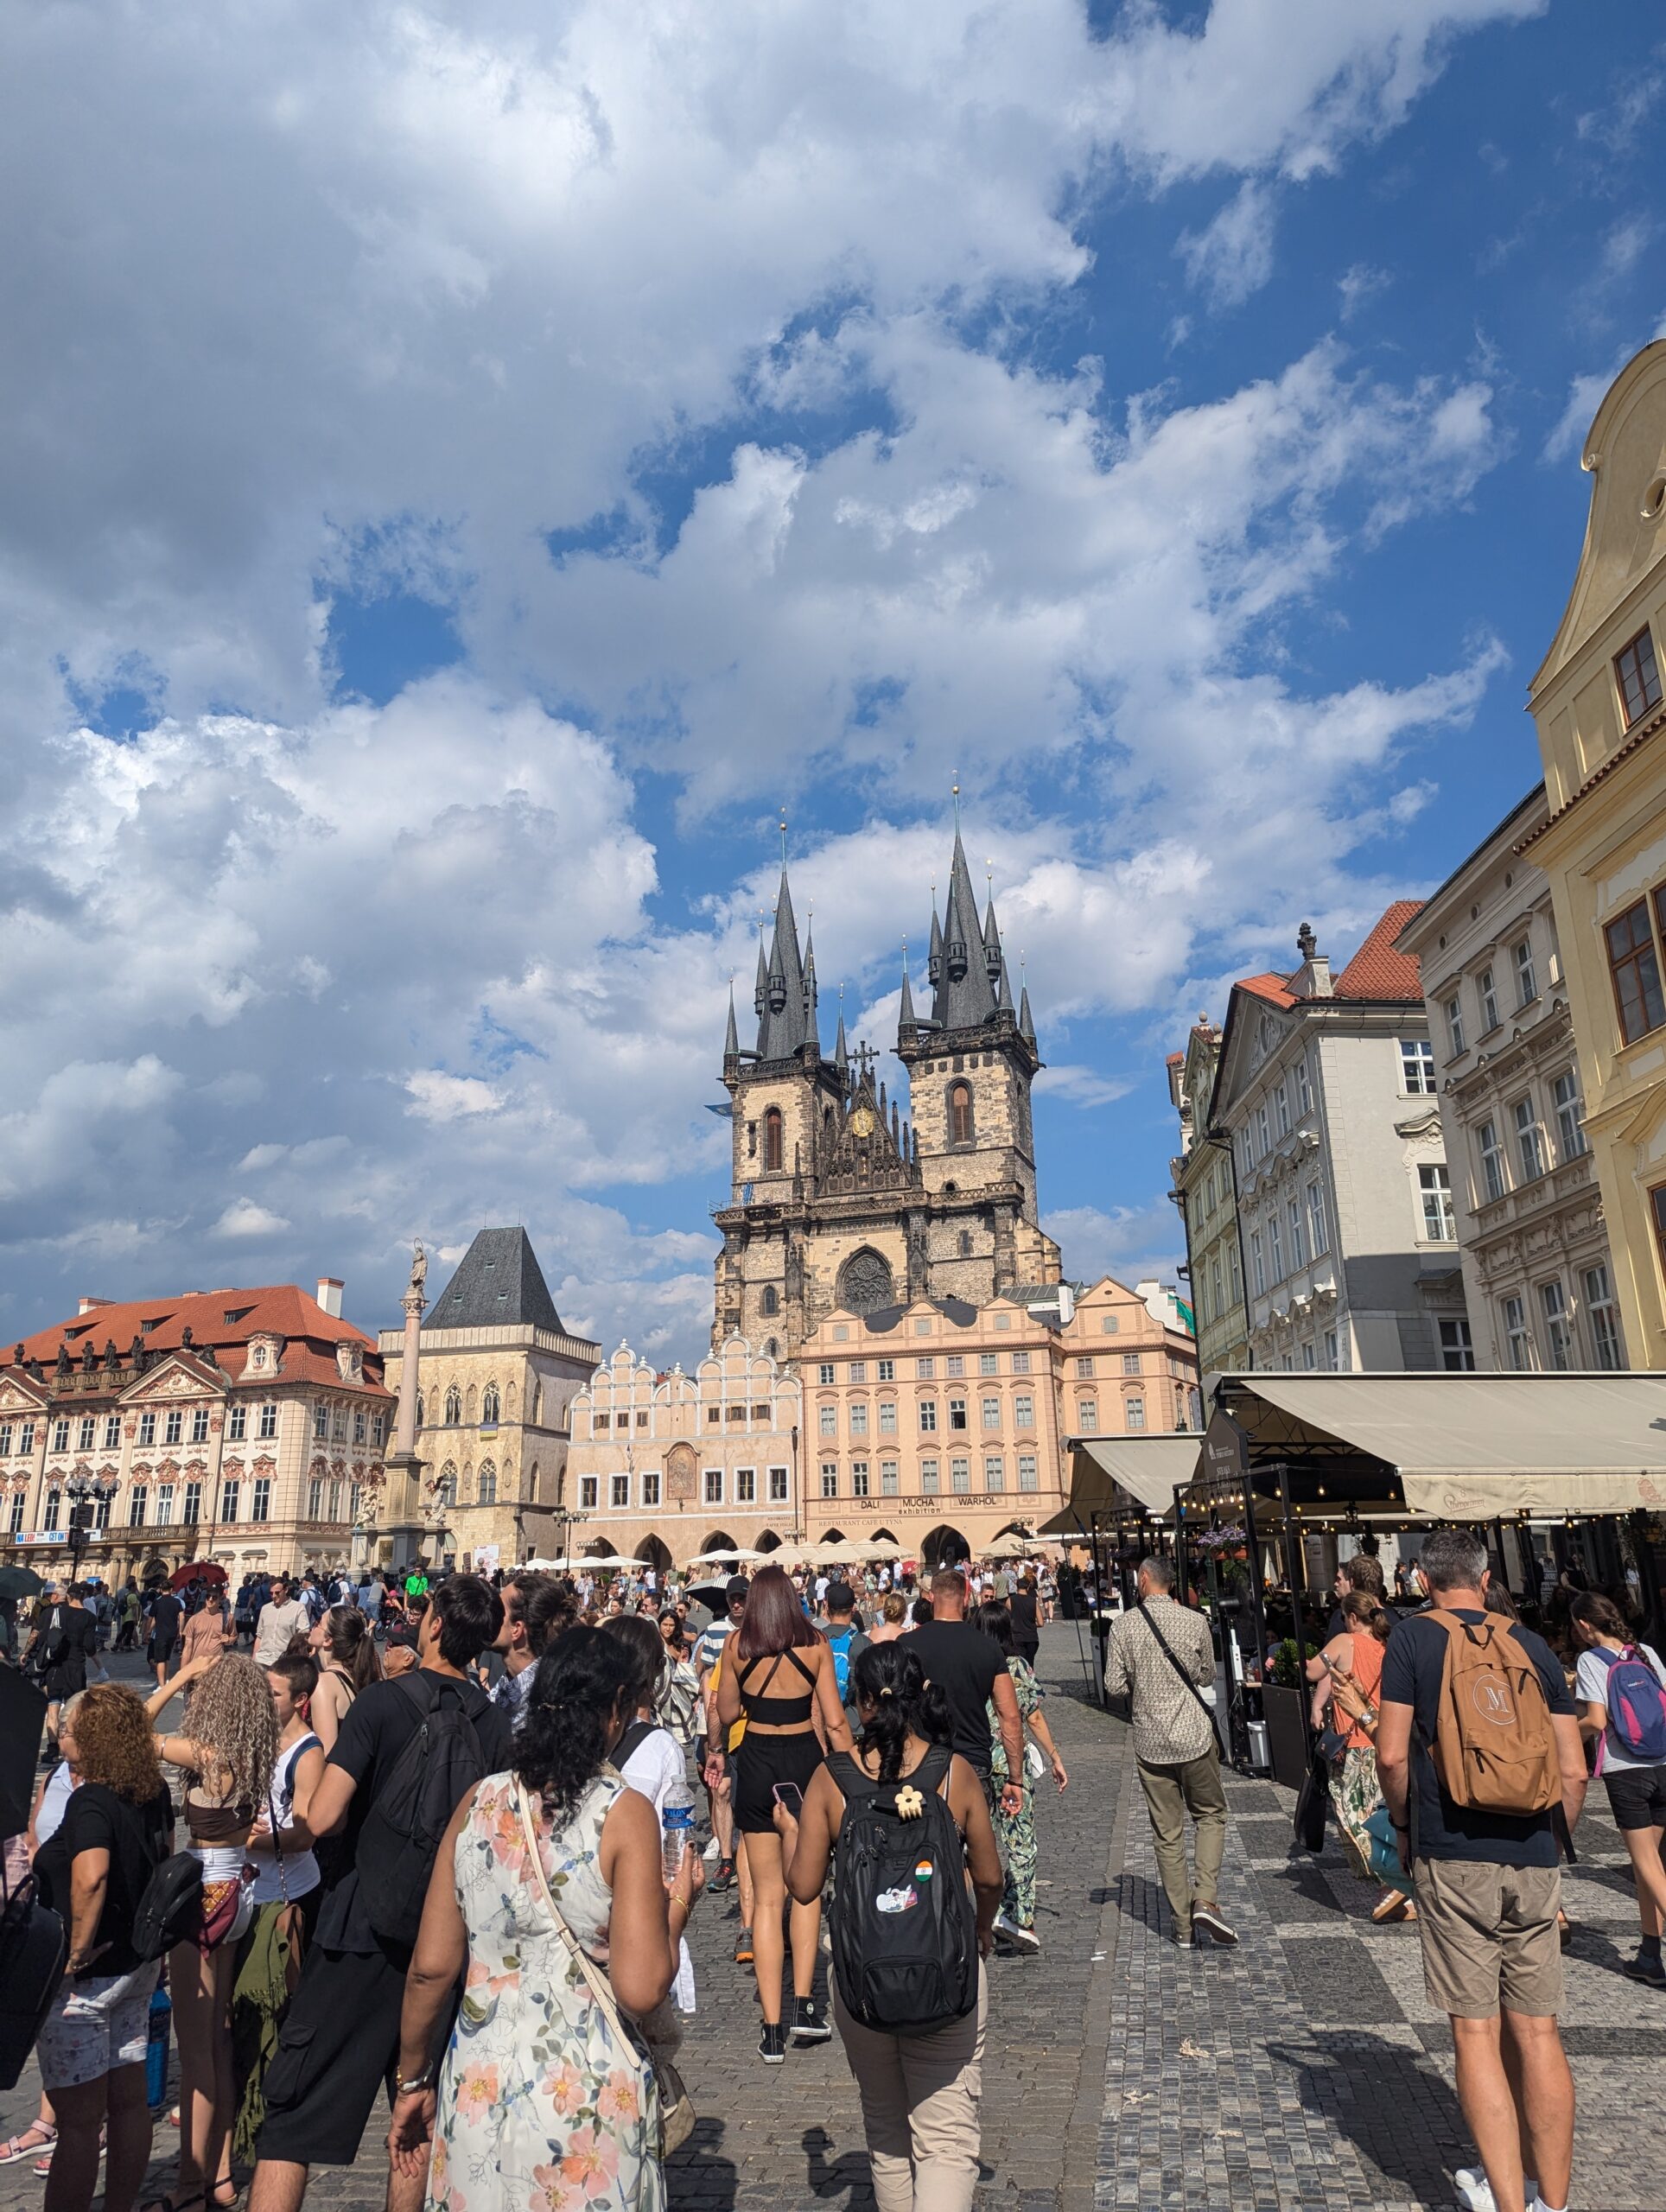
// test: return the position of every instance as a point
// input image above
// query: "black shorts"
(338, 2046)
(160, 1649)
(759, 1764)
(1637, 1796)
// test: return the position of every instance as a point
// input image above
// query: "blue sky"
(473, 467)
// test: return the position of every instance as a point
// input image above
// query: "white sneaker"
(1026, 1938)
(1475, 2190)
(711, 1850)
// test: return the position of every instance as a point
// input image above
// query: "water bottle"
(679, 1824)
(157, 2028)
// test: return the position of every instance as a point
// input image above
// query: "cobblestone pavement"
(1305, 2069)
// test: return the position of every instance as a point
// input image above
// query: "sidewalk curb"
(1078, 2189)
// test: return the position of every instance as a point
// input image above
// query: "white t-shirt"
(656, 1764)
(1591, 1679)
(301, 1872)
(54, 1802)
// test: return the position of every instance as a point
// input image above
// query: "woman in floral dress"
(1014, 1925)
(541, 2105)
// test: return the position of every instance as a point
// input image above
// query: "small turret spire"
(907, 1023)
(732, 1038)
(841, 1055)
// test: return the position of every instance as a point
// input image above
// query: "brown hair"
(895, 1607)
(349, 1642)
(1365, 1573)
(1360, 1606)
(1590, 1608)
(774, 1621)
(114, 1745)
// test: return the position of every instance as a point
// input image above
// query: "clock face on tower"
(861, 1121)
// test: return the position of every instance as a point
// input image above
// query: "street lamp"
(86, 1494)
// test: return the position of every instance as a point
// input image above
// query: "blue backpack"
(1637, 1708)
(839, 1643)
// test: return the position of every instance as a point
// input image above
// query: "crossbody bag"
(1203, 1706)
(676, 2112)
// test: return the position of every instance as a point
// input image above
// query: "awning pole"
(1296, 1557)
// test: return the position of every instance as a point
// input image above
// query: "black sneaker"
(1205, 1917)
(772, 2044)
(722, 1876)
(1647, 1968)
(810, 2023)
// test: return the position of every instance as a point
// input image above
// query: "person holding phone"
(1352, 1675)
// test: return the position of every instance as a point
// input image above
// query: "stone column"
(402, 1512)
(405, 1425)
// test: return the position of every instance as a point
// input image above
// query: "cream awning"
(1147, 1470)
(1468, 1446)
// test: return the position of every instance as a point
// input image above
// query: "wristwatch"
(422, 2079)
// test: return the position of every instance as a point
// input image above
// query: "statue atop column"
(417, 1286)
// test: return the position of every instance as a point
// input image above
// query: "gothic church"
(837, 1200)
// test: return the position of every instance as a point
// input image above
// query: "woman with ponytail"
(919, 2093)
(345, 1652)
(541, 1871)
(1347, 1694)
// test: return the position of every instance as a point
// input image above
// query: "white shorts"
(95, 2026)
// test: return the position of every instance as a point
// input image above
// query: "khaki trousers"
(1191, 1786)
(921, 2096)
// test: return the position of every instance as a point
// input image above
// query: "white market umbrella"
(1006, 1548)
(729, 1555)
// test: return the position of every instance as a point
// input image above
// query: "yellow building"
(1599, 705)
(1206, 1194)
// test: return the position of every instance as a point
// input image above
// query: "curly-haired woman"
(226, 1748)
(117, 1828)
(345, 1652)
(537, 2094)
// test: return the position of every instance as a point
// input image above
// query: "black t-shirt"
(138, 1837)
(1026, 1626)
(66, 1643)
(375, 1729)
(965, 1664)
(165, 1612)
(1413, 1661)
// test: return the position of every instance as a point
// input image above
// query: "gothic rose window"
(960, 1113)
(865, 1283)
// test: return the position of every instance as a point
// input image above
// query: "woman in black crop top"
(778, 1675)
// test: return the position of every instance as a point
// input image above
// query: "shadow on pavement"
(1405, 2121)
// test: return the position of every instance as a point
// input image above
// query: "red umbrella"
(196, 1570)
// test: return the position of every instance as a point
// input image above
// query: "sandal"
(44, 2138)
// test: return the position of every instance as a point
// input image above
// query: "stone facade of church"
(836, 1199)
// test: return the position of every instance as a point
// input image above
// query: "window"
(859, 1478)
(650, 1481)
(1332, 1351)
(173, 1427)
(316, 1498)
(887, 1416)
(336, 1500)
(191, 1506)
(1489, 1000)
(1558, 1335)
(618, 1492)
(1457, 1353)
(20, 1506)
(26, 1438)
(1440, 1221)
(339, 1423)
(1304, 1088)
(447, 1490)
(859, 1421)
(1318, 1235)
(1517, 1342)
(960, 1113)
(773, 1140)
(955, 1364)
(776, 1486)
(825, 1371)
(830, 1477)
(1133, 1412)
(994, 1471)
(589, 1488)
(1530, 1141)
(714, 1485)
(491, 1407)
(1257, 1265)
(1275, 1246)
(926, 1368)
(1492, 1161)
(260, 1498)
(356, 1503)
(1130, 1363)
(1570, 1132)
(200, 1425)
(964, 1244)
(1020, 1362)
(957, 1413)
(1636, 971)
(1027, 1473)
(1281, 1110)
(1527, 980)
(237, 1424)
(1454, 1013)
(50, 1509)
(888, 1371)
(1263, 1134)
(772, 1299)
(268, 1422)
(988, 1362)
(859, 1371)
(1605, 1318)
(1084, 1366)
(890, 1485)
(1298, 1244)
(228, 1501)
(960, 1476)
(1087, 1416)
(136, 1508)
(454, 1409)
(927, 1416)
(1310, 1354)
(827, 1419)
(1416, 1065)
(928, 1477)
(87, 1431)
(1638, 676)
(1024, 1411)
(5, 1440)
(991, 1407)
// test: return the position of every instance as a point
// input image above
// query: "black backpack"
(412, 1808)
(34, 1947)
(169, 1910)
(903, 1928)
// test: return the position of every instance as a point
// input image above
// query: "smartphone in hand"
(789, 1795)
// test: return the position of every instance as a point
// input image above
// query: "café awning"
(1126, 1475)
(1463, 1447)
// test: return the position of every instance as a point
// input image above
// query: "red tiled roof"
(1377, 970)
(282, 1309)
(1175, 1060)
(1267, 987)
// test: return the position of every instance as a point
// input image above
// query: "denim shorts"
(96, 2024)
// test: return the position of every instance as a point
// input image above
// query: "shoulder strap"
(634, 1737)
(809, 1673)
(600, 1990)
(853, 1779)
(932, 1772)
(1204, 1707)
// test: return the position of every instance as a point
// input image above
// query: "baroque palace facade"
(247, 1426)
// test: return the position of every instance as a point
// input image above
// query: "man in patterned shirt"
(1160, 1658)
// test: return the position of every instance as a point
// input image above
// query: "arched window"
(453, 1407)
(487, 1493)
(420, 1415)
(773, 1140)
(960, 1113)
(537, 1405)
(965, 1243)
(772, 1299)
(771, 1346)
(448, 1485)
(489, 1407)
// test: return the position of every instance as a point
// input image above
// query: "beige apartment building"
(245, 1427)
(1599, 706)
(663, 1466)
(1539, 1283)
(1201, 1174)
(942, 1425)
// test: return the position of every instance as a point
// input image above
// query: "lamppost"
(86, 1494)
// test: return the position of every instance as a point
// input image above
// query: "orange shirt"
(1366, 1667)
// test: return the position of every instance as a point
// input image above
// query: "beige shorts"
(1489, 1936)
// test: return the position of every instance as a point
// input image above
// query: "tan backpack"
(1494, 1748)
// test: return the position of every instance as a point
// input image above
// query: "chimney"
(87, 1304)
(1312, 979)
(329, 1295)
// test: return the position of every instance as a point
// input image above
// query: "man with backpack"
(846, 1642)
(407, 1753)
(1478, 1748)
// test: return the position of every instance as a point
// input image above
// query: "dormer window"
(1638, 677)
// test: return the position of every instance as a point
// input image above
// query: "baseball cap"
(841, 1598)
(739, 1590)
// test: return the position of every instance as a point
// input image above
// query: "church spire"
(786, 1018)
(907, 1023)
(841, 1055)
(732, 1039)
(965, 985)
